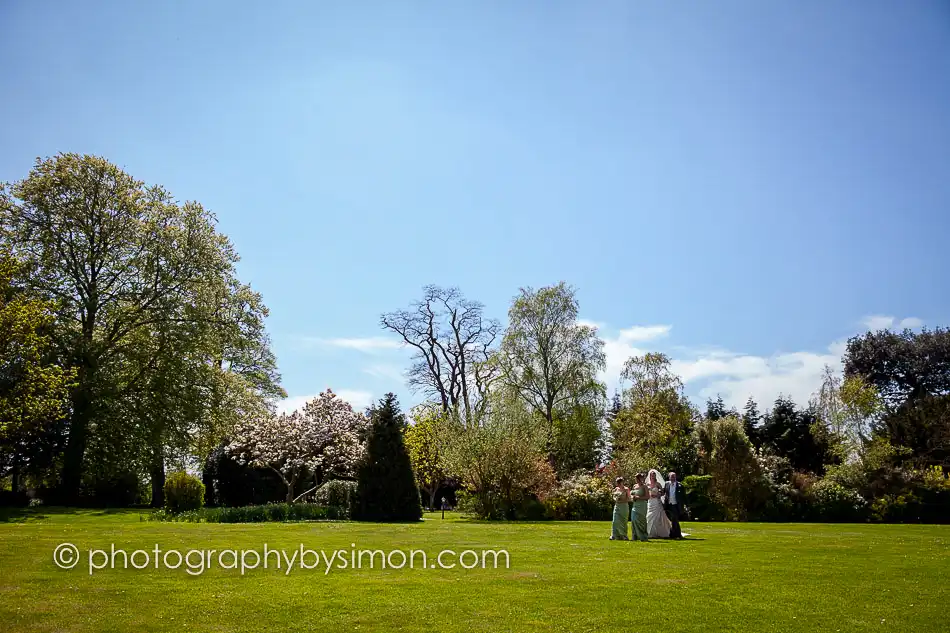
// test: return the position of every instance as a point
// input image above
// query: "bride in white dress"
(658, 524)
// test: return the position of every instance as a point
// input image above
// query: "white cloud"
(619, 348)
(736, 377)
(708, 372)
(881, 322)
(639, 333)
(368, 344)
(357, 398)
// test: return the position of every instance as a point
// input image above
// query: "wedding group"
(652, 506)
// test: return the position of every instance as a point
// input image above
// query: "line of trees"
(130, 347)
(539, 437)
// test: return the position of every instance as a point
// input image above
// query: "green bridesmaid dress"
(621, 512)
(638, 517)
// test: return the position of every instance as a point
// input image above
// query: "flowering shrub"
(833, 502)
(580, 497)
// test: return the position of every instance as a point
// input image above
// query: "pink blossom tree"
(324, 438)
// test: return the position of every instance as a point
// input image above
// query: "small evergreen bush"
(183, 492)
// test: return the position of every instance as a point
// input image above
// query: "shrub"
(934, 493)
(338, 494)
(11, 499)
(183, 492)
(121, 489)
(469, 503)
(229, 483)
(702, 505)
(532, 510)
(833, 502)
(580, 497)
(896, 508)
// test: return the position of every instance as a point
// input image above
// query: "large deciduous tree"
(798, 435)
(656, 420)
(911, 372)
(902, 366)
(501, 460)
(422, 442)
(452, 342)
(145, 297)
(33, 387)
(727, 454)
(551, 361)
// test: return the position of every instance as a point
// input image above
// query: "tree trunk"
(432, 499)
(157, 471)
(290, 488)
(15, 474)
(75, 450)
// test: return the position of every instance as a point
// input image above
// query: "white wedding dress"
(658, 524)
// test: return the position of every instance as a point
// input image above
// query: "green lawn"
(563, 577)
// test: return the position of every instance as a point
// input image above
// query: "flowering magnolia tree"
(323, 438)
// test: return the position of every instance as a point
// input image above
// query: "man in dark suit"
(674, 502)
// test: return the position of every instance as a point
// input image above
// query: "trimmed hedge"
(270, 513)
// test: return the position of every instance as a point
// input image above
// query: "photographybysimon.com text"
(302, 558)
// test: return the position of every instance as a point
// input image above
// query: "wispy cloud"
(386, 372)
(368, 344)
(880, 322)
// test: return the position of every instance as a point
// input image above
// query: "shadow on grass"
(21, 515)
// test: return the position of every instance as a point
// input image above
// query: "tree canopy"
(147, 312)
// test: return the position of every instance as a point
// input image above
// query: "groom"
(674, 501)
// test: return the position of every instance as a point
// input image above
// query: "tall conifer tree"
(386, 486)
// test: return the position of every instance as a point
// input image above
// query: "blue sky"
(740, 184)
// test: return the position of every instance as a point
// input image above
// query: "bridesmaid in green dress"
(638, 517)
(621, 511)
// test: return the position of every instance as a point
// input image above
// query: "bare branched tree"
(452, 342)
